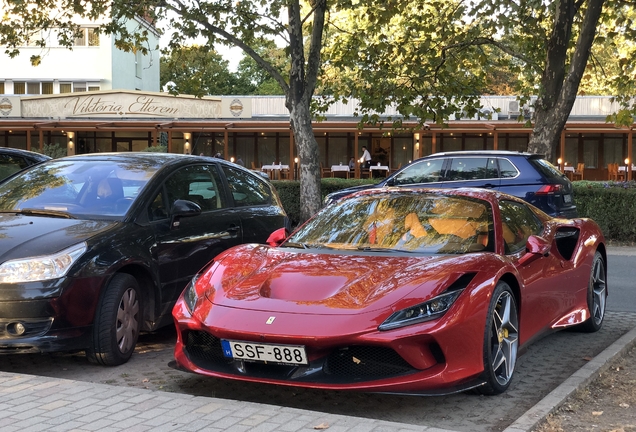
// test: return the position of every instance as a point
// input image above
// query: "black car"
(524, 175)
(13, 160)
(96, 248)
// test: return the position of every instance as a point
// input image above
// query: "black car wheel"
(596, 296)
(117, 321)
(501, 341)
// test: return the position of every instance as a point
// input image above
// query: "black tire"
(596, 296)
(501, 341)
(117, 322)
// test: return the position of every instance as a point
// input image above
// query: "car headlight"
(41, 268)
(427, 311)
(190, 295)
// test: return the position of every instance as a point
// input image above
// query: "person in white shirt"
(366, 158)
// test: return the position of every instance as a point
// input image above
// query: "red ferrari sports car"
(421, 291)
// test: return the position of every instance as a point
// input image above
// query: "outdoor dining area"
(615, 171)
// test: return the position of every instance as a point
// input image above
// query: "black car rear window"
(546, 168)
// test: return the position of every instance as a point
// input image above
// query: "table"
(623, 168)
(275, 169)
(340, 168)
(568, 171)
(379, 168)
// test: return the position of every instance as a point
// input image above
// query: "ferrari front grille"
(366, 362)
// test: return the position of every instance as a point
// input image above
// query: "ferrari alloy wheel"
(596, 295)
(501, 341)
(117, 321)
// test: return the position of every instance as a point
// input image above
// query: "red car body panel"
(333, 299)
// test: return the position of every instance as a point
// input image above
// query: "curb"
(581, 378)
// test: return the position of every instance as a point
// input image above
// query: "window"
(472, 169)
(199, 184)
(79, 87)
(2, 87)
(93, 88)
(507, 169)
(518, 223)
(93, 36)
(47, 88)
(19, 88)
(427, 171)
(10, 164)
(33, 88)
(247, 189)
(66, 87)
(88, 36)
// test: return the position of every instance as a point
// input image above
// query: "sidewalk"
(33, 403)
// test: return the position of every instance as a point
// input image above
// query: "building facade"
(94, 63)
(256, 129)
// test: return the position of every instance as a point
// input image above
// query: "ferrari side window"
(518, 223)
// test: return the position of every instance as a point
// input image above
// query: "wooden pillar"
(356, 152)
(169, 141)
(292, 159)
(562, 151)
(41, 136)
(226, 144)
(630, 135)
(495, 145)
(154, 138)
(28, 137)
(433, 142)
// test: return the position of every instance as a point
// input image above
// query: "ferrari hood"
(24, 236)
(270, 279)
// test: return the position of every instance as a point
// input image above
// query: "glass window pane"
(47, 88)
(33, 88)
(19, 88)
(246, 189)
(81, 39)
(65, 87)
(93, 37)
(428, 171)
(471, 169)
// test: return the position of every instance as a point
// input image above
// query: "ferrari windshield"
(400, 221)
(78, 188)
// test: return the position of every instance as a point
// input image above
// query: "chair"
(395, 169)
(255, 168)
(325, 172)
(612, 171)
(578, 173)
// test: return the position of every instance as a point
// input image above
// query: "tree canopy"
(431, 59)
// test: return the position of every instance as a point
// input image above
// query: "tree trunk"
(555, 103)
(310, 190)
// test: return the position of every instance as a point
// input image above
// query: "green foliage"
(611, 205)
(156, 149)
(289, 193)
(53, 150)
(199, 71)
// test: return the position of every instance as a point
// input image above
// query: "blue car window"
(427, 171)
(471, 168)
(507, 169)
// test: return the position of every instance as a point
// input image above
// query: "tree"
(433, 67)
(244, 24)
(200, 71)
(259, 81)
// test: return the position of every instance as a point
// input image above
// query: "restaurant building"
(257, 129)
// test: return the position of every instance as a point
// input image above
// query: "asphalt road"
(542, 368)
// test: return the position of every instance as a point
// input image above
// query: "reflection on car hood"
(27, 236)
(262, 278)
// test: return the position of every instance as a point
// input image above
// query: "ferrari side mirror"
(536, 247)
(277, 237)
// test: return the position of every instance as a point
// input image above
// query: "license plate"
(289, 354)
(567, 198)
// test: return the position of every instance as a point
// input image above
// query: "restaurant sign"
(127, 104)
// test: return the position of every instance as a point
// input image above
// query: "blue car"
(525, 175)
